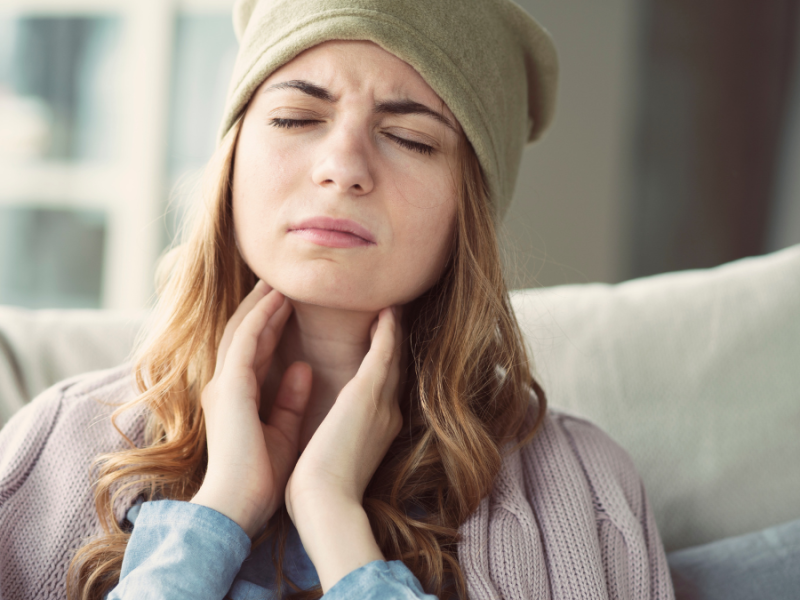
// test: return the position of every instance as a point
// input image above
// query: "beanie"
(489, 61)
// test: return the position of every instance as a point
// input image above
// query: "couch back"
(696, 374)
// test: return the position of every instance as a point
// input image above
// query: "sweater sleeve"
(47, 505)
(31, 544)
(633, 555)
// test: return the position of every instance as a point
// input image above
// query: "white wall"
(568, 219)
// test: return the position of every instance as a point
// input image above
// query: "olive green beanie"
(488, 60)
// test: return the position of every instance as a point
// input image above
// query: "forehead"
(359, 66)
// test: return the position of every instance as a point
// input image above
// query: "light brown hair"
(469, 392)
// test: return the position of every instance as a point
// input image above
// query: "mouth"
(334, 233)
(330, 238)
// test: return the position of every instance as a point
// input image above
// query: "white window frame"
(131, 190)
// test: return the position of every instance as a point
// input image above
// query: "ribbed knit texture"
(46, 502)
(567, 518)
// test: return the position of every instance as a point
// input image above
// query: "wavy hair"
(468, 394)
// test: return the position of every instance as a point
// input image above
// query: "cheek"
(428, 188)
(427, 201)
(426, 245)
(263, 176)
(260, 170)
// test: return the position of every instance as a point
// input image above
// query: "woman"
(334, 397)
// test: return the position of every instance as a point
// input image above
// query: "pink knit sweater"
(567, 519)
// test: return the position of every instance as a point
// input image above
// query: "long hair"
(468, 395)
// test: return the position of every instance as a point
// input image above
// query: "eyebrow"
(391, 107)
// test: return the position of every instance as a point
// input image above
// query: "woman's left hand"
(349, 444)
(325, 491)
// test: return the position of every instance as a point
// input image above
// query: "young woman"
(334, 396)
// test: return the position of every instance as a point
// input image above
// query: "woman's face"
(346, 131)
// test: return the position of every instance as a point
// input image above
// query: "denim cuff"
(179, 550)
(379, 580)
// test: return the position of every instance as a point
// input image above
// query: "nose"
(344, 165)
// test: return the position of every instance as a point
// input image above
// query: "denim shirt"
(180, 550)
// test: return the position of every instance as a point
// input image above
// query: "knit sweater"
(567, 517)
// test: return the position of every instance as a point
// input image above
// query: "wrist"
(337, 537)
(239, 512)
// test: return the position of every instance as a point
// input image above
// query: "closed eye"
(290, 123)
(415, 146)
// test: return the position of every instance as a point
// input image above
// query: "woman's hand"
(325, 491)
(351, 441)
(249, 462)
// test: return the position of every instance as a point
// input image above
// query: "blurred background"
(676, 143)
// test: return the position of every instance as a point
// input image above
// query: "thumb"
(294, 391)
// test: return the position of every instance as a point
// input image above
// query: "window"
(104, 106)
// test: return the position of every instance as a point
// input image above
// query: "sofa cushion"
(763, 564)
(41, 347)
(697, 375)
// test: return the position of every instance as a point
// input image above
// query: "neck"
(333, 342)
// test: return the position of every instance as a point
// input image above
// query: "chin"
(327, 289)
(339, 303)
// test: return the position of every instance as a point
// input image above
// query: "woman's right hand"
(249, 462)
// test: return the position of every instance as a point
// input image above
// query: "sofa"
(696, 374)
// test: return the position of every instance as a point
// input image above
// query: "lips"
(330, 224)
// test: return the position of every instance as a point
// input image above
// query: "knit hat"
(493, 66)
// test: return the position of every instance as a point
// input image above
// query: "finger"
(376, 364)
(261, 289)
(394, 370)
(290, 404)
(373, 329)
(242, 350)
(268, 340)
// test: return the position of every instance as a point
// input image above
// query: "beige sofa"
(696, 374)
